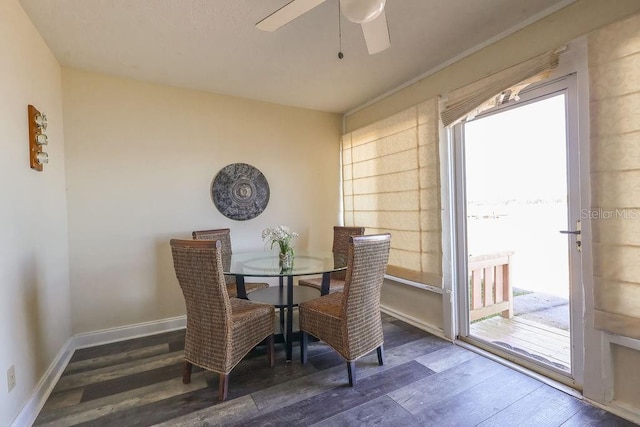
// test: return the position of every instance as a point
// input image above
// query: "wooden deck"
(544, 343)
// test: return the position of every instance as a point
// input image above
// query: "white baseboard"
(420, 324)
(43, 389)
(106, 336)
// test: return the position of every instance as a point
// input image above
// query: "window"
(614, 52)
(391, 184)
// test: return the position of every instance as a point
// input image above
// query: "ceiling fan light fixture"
(362, 11)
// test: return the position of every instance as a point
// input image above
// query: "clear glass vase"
(286, 259)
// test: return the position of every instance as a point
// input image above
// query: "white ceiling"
(213, 45)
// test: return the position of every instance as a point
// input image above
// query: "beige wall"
(140, 161)
(626, 376)
(34, 267)
(414, 305)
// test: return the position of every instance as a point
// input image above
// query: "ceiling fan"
(368, 13)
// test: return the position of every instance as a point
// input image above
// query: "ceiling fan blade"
(287, 13)
(376, 34)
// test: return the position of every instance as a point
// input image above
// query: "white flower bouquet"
(280, 235)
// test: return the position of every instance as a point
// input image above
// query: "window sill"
(424, 286)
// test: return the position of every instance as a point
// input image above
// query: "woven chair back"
(366, 266)
(198, 266)
(340, 248)
(221, 234)
(224, 236)
(341, 237)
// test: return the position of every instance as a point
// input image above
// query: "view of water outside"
(517, 192)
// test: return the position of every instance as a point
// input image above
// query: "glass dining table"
(286, 296)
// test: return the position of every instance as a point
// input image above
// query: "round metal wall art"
(240, 191)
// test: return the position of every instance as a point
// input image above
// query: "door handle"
(577, 232)
(570, 232)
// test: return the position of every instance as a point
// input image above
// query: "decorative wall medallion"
(240, 191)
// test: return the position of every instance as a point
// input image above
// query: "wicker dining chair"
(340, 248)
(349, 321)
(224, 236)
(220, 330)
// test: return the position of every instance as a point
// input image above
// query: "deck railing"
(490, 287)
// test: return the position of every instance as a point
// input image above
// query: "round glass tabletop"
(267, 264)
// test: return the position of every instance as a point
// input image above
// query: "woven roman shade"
(614, 73)
(391, 184)
(497, 88)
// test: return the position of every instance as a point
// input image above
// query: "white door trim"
(567, 85)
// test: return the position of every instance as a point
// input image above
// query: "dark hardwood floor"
(424, 381)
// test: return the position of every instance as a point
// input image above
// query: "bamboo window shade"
(497, 88)
(614, 74)
(391, 184)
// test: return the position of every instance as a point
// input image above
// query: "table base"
(285, 298)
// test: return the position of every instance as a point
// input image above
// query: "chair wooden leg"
(186, 372)
(223, 386)
(351, 369)
(380, 351)
(271, 353)
(303, 346)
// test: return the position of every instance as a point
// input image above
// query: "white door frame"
(460, 318)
